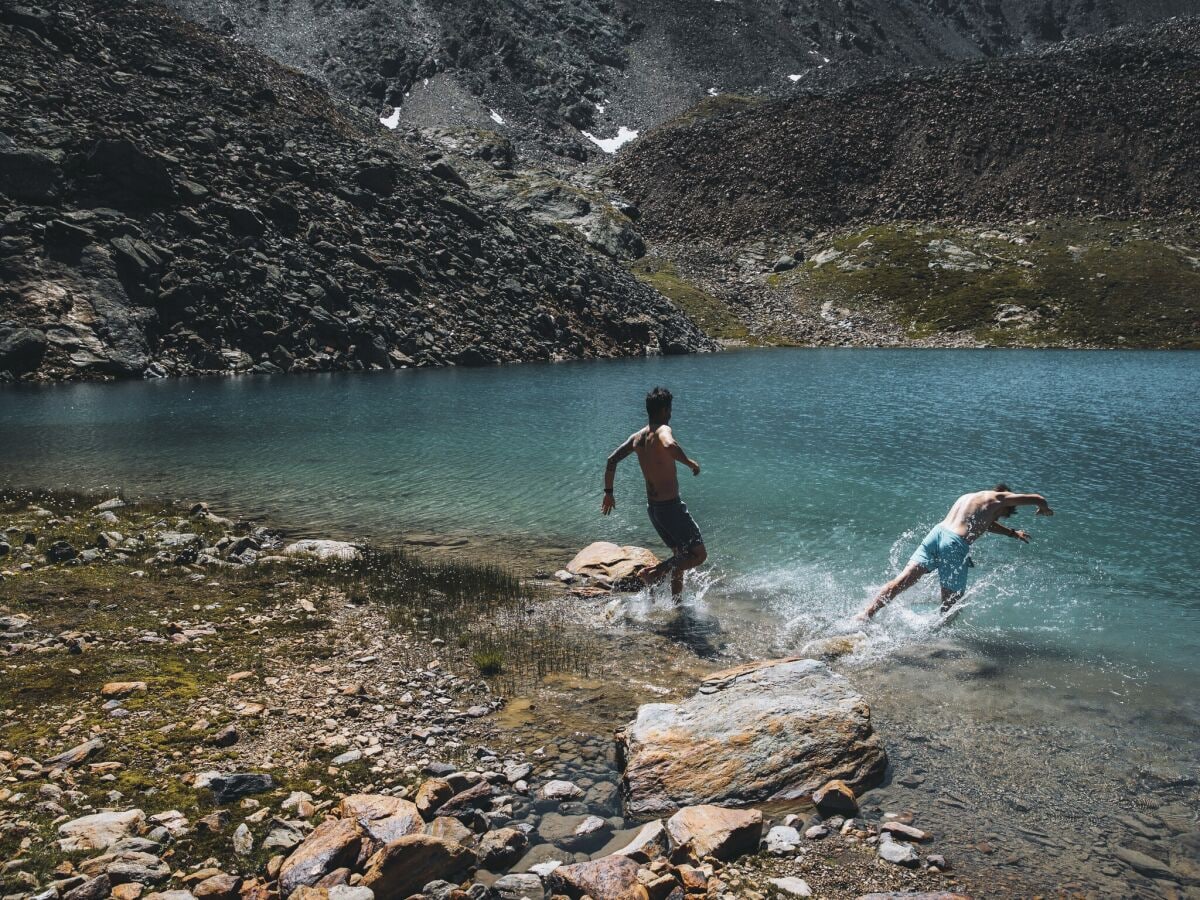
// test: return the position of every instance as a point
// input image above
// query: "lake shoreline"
(266, 704)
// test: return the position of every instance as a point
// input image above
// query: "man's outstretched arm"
(609, 503)
(997, 528)
(1043, 508)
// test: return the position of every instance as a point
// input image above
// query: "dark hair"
(658, 401)
(1001, 487)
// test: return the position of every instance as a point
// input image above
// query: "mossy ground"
(709, 312)
(50, 695)
(1099, 284)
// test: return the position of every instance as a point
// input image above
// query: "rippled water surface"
(821, 470)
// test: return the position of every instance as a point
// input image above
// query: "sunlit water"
(821, 471)
(1068, 680)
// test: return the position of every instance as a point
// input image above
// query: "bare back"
(972, 514)
(653, 448)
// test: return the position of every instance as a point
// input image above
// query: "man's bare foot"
(651, 575)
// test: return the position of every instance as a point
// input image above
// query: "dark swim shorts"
(674, 524)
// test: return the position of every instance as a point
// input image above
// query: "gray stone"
(227, 788)
(898, 852)
(775, 730)
(519, 887)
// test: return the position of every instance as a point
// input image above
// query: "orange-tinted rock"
(835, 798)
(775, 730)
(406, 865)
(333, 844)
(609, 878)
(714, 831)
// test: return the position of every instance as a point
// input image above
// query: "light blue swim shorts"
(946, 553)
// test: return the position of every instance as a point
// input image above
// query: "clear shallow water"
(821, 470)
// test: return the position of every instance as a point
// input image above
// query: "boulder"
(791, 886)
(123, 866)
(519, 887)
(76, 754)
(97, 888)
(610, 563)
(115, 690)
(610, 878)
(772, 730)
(715, 831)
(898, 852)
(649, 843)
(22, 349)
(324, 550)
(406, 865)
(382, 819)
(835, 798)
(431, 795)
(227, 788)
(333, 844)
(501, 848)
(98, 831)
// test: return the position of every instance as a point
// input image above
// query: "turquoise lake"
(821, 470)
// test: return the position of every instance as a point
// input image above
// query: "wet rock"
(558, 791)
(406, 865)
(610, 878)
(332, 844)
(650, 842)
(902, 830)
(714, 831)
(324, 550)
(501, 848)
(898, 852)
(835, 798)
(765, 731)
(519, 887)
(610, 564)
(1144, 864)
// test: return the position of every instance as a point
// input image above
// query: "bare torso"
(972, 514)
(658, 465)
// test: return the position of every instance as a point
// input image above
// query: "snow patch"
(600, 107)
(391, 121)
(795, 78)
(496, 117)
(612, 144)
(713, 92)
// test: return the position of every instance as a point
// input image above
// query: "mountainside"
(172, 203)
(1047, 199)
(1104, 125)
(545, 71)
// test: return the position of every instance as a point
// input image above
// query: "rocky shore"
(196, 707)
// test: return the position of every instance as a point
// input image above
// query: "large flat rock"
(772, 730)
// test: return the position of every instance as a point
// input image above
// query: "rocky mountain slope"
(1097, 126)
(546, 71)
(173, 203)
(876, 199)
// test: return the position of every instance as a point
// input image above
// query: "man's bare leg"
(898, 585)
(676, 565)
(949, 598)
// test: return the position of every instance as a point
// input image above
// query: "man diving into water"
(657, 452)
(947, 547)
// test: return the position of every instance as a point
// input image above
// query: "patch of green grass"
(709, 312)
(488, 662)
(1099, 284)
(711, 107)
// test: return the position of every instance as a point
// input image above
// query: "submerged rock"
(773, 730)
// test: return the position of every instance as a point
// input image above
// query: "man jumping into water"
(947, 547)
(657, 452)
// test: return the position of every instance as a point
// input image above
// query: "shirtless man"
(657, 452)
(947, 547)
